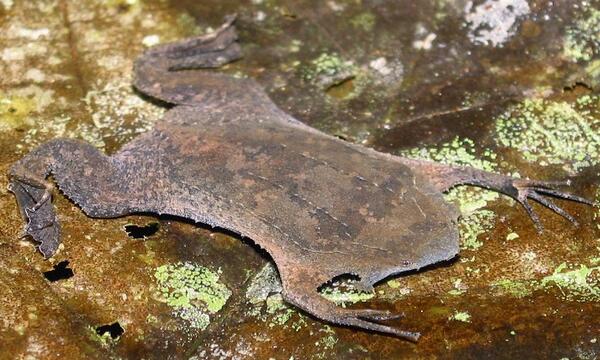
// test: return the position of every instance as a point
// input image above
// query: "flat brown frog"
(225, 155)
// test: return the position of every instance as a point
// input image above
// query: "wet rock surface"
(503, 85)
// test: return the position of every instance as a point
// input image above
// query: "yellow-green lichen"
(593, 69)
(328, 70)
(394, 284)
(14, 111)
(120, 3)
(518, 289)
(459, 288)
(459, 151)
(554, 133)
(329, 64)
(581, 283)
(265, 290)
(582, 40)
(117, 113)
(279, 311)
(193, 291)
(364, 21)
(460, 316)
(343, 293)
(21, 108)
(474, 225)
(512, 236)
(104, 340)
(327, 342)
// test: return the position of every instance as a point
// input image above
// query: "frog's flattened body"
(228, 157)
(298, 194)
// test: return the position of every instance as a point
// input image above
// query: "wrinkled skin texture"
(226, 156)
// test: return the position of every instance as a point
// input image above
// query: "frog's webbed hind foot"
(300, 289)
(158, 72)
(445, 177)
(208, 51)
(524, 189)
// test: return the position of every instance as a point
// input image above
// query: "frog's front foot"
(524, 190)
(35, 205)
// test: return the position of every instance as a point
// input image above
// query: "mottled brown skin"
(226, 156)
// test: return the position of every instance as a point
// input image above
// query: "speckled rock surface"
(503, 85)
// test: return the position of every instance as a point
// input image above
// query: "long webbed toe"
(536, 190)
(371, 324)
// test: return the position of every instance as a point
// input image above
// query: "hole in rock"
(343, 281)
(60, 272)
(115, 330)
(141, 232)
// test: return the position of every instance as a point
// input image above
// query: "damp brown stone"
(228, 157)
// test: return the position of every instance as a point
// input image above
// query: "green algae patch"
(460, 316)
(459, 151)
(343, 293)
(582, 39)
(581, 283)
(193, 291)
(474, 225)
(327, 342)
(342, 298)
(279, 311)
(517, 289)
(459, 288)
(14, 111)
(364, 21)
(512, 236)
(329, 70)
(104, 340)
(553, 133)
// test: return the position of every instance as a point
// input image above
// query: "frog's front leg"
(300, 288)
(445, 177)
(82, 173)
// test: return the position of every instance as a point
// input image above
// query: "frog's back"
(293, 189)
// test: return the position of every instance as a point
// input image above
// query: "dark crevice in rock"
(61, 271)
(141, 232)
(114, 330)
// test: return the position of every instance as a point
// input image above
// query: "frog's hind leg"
(163, 72)
(444, 177)
(82, 173)
(300, 288)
